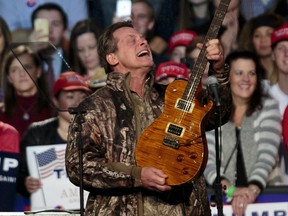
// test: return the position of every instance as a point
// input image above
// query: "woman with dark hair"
(255, 37)
(252, 135)
(5, 40)
(24, 102)
(83, 55)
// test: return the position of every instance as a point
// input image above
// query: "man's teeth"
(142, 53)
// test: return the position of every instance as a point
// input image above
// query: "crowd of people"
(119, 72)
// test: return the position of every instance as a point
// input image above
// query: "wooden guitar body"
(175, 142)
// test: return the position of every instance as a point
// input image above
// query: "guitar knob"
(180, 158)
(193, 155)
(185, 171)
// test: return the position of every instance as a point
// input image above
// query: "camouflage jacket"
(112, 123)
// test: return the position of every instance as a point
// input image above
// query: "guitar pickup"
(175, 129)
(185, 105)
(171, 142)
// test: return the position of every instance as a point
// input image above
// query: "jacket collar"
(119, 81)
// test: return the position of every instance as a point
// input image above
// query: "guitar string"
(189, 97)
(217, 21)
(196, 80)
(199, 70)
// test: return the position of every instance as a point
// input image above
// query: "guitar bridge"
(171, 142)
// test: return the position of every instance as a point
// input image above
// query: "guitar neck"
(201, 62)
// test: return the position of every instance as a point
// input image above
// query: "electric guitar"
(175, 142)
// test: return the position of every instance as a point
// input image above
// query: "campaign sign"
(47, 163)
(257, 209)
(9, 169)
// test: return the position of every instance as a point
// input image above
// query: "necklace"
(26, 115)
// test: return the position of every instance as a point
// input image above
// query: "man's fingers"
(154, 179)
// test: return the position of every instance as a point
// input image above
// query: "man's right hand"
(154, 179)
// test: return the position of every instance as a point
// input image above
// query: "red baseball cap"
(181, 38)
(171, 69)
(279, 34)
(69, 81)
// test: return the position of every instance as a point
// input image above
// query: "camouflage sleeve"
(98, 171)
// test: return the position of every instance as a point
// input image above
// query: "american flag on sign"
(50, 160)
